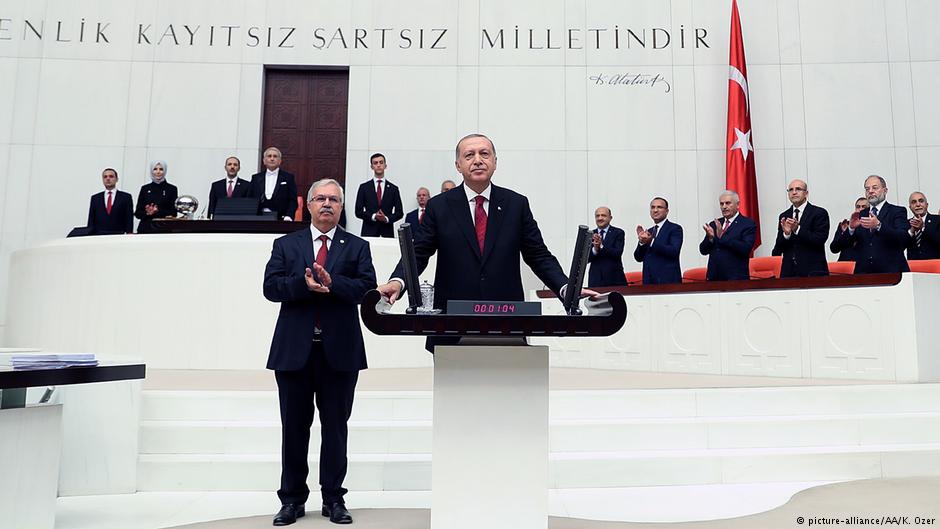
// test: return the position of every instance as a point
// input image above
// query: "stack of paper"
(52, 361)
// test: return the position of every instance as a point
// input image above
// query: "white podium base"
(489, 463)
(30, 447)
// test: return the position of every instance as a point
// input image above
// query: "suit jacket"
(412, 218)
(284, 198)
(804, 253)
(121, 219)
(367, 204)
(844, 245)
(929, 242)
(882, 250)
(163, 195)
(349, 263)
(462, 271)
(728, 255)
(219, 190)
(661, 257)
(607, 265)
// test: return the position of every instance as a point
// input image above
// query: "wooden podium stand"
(489, 463)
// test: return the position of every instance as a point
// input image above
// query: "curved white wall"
(839, 89)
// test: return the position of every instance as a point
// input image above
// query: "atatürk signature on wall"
(629, 79)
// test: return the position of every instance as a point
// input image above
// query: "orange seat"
(842, 267)
(765, 267)
(694, 275)
(299, 214)
(927, 266)
(634, 278)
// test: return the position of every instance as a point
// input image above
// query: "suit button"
(482, 278)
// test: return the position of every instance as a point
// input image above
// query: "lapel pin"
(342, 241)
(499, 208)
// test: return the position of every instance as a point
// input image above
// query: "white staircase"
(230, 440)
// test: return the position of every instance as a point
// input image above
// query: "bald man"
(924, 242)
(802, 231)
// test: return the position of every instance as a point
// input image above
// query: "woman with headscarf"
(156, 199)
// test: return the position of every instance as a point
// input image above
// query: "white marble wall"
(839, 89)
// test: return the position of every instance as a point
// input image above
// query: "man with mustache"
(318, 276)
(924, 242)
(842, 243)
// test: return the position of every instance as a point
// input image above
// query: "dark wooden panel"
(305, 116)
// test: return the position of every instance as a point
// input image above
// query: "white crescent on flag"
(735, 75)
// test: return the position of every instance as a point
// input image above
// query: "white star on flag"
(743, 142)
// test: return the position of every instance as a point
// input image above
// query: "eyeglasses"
(320, 199)
(792, 189)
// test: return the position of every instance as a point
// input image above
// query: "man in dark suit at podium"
(274, 188)
(606, 255)
(229, 187)
(658, 247)
(378, 202)
(881, 234)
(417, 215)
(110, 211)
(728, 241)
(318, 276)
(924, 242)
(802, 231)
(842, 243)
(479, 232)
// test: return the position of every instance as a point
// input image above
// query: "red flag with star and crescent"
(740, 175)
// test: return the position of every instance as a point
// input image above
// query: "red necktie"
(480, 221)
(378, 192)
(420, 215)
(107, 206)
(321, 253)
(229, 192)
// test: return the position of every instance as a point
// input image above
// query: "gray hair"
(880, 179)
(467, 137)
(325, 182)
(275, 149)
(732, 194)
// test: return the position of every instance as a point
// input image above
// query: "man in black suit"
(417, 215)
(802, 232)
(842, 243)
(658, 248)
(924, 232)
(229, 187)
(728, 241)
(881, 234)
(318, 276)
(378, 202)
(606, 255)
(110, 211)
(274, 188)
(479, 232)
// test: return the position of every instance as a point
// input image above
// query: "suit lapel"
(494, 220)
(305, 239)
(460, 208)
(336, 249)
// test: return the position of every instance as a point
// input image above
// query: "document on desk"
(52, 361)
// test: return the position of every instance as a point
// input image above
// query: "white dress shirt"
(315, 233)
(270, 182)
(472, 201)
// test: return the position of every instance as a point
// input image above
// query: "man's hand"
(917, 224)
(380, 217)
(709, 231)
(324, 276)
(871, 222)
(643, 235)
(844, 225)
(151, 209)
(390, 290)
(588, 293)
(854, 221)
(596, 241)
(786, 225)
(312, 284)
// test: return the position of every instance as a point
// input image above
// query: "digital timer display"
(494, 308)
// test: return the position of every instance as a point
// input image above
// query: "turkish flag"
(740, 175)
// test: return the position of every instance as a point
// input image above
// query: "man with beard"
(881, 234)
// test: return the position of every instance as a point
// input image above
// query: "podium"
(489, 464)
